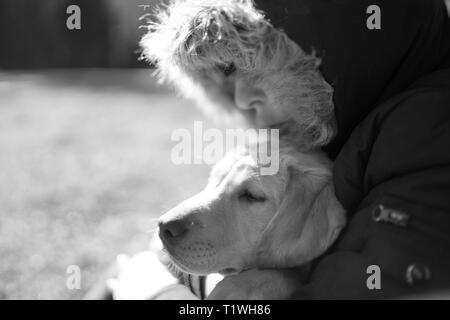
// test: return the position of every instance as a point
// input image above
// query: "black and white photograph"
(224, 150)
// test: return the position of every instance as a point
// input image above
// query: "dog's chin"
(184, 267)
(197, 257)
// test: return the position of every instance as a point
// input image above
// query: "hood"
(365, 67)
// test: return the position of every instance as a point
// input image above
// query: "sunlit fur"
(191, 42)
(298, 220)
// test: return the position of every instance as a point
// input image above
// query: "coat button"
(417, 273)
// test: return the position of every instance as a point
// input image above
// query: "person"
(368, 84)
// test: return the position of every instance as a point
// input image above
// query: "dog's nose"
(172, 230)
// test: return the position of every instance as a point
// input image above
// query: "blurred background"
(85, 144)
(34, 34)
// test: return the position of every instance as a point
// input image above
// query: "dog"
(245, 223)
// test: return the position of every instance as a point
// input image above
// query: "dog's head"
(243, 219)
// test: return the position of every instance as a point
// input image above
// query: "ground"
(85, 172)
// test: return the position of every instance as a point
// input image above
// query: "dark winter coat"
(392, 152)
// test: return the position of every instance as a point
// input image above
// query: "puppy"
(244, 221)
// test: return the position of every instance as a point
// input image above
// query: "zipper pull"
(383, 214)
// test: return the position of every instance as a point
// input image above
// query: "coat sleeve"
(393, 176)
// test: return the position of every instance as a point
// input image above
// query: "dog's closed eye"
(251, 197)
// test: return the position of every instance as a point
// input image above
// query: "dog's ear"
(307, 222)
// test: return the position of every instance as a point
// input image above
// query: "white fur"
(300, 219)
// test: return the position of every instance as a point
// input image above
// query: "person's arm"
(260, 284)
(394, 175)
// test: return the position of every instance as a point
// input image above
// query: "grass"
(85, 172)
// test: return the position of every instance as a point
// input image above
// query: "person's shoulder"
(407, 133)
(413, 116)
(418, 118)
(426, 101)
